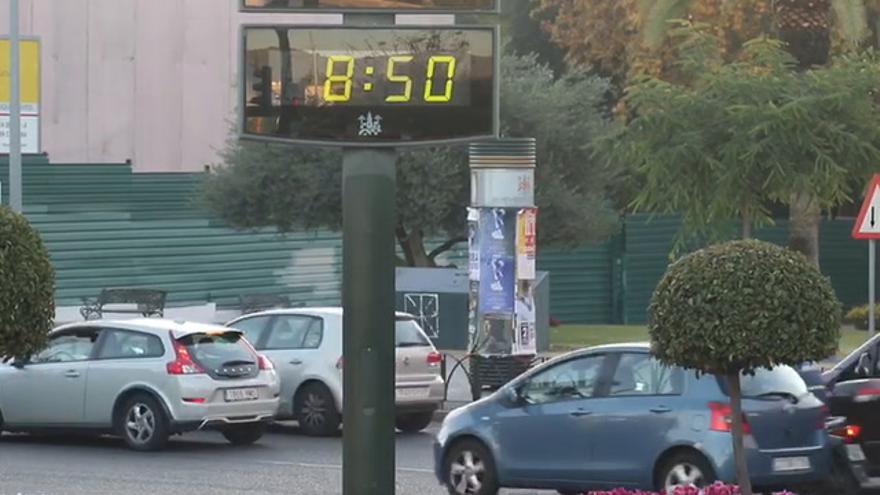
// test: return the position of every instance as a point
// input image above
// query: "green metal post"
(369, 217)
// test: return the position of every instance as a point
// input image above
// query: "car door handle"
(581, 413)
(72, 374)
(660, 410)
(296, 362)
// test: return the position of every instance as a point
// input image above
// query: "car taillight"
(183, 364)
(722, 418)
(265, 363)
(339, 363)
(434, 358)
(849, 433)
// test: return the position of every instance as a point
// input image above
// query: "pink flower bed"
(716, 489)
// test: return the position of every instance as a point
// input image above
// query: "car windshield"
(408, 334)
(781, 381)
(217, 351)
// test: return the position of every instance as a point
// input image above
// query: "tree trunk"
(804, 219)
(747, 223)
(739, 452)
(413, 245)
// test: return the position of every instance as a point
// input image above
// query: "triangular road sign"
(868, 223)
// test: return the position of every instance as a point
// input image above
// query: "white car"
(143, 380)
(305, 345)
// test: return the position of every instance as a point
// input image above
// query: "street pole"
(369, 219)
(872, 274)
(15, 200)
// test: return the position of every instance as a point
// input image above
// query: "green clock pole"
(369, 217)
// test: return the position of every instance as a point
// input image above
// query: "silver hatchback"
(143, 380)
(306, 347)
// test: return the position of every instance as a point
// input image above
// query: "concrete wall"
(153, 81)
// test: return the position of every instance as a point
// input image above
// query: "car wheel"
(414, 422)
(470, 470)
(143, 424)
(244, 434)
(316, 411)
(685, 469)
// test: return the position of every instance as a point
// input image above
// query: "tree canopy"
(748, 134)
(27, 288)
(291, 188)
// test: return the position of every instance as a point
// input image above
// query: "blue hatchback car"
(613, 416)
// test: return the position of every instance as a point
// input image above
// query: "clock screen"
(340, 84)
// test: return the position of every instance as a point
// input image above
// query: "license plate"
(785, 464)
(412, 393)
(242, 394)
(855, 453)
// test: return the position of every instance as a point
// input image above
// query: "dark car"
(851, 389)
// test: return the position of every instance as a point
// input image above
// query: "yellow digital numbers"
(333, 79)
(433, 62)
(405, 80)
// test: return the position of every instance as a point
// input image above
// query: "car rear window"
(408, 334)
(780, 380)
(217, 351)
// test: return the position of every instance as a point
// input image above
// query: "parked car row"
(613, 416)
(148, 379)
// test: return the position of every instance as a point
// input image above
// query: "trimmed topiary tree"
(27, 288)
(738, 307)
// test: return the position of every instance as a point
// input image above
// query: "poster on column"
(526, 243)
(497, 260)
(526, 341)
(474, 244)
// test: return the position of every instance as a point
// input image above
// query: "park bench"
(145, 302)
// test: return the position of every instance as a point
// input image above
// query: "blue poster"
(497, 284)
(497, 239)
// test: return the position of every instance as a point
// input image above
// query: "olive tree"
(27, 288)
(739, 307)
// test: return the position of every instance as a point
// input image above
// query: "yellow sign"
(30, 74)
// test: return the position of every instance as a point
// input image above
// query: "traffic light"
(262, 87)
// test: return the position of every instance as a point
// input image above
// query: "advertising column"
(502, 242)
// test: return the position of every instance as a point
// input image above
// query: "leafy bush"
(741, 306)
(27, 288)
(715, 489)
(858, 317)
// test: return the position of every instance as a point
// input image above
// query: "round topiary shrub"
(737, 307)
(27, 288)
(741, 306)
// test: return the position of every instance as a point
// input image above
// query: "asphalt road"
(284, 462)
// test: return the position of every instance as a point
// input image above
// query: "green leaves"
(743, 136)
(27, 288)
(741, 306)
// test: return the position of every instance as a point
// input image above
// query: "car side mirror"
(513, 395)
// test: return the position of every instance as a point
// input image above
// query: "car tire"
(469, 469)
(143, 424)
(414, 422)
(315, 411)
(244, 434)
(686, 468)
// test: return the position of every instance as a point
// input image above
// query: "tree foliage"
(742, 306)
(292, 188)
(750, 133)
(614, 36)
(27, 288)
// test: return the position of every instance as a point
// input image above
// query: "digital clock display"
(370, 85)
(397, 5)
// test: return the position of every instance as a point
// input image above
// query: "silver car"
(306, 348)
(143, 380)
